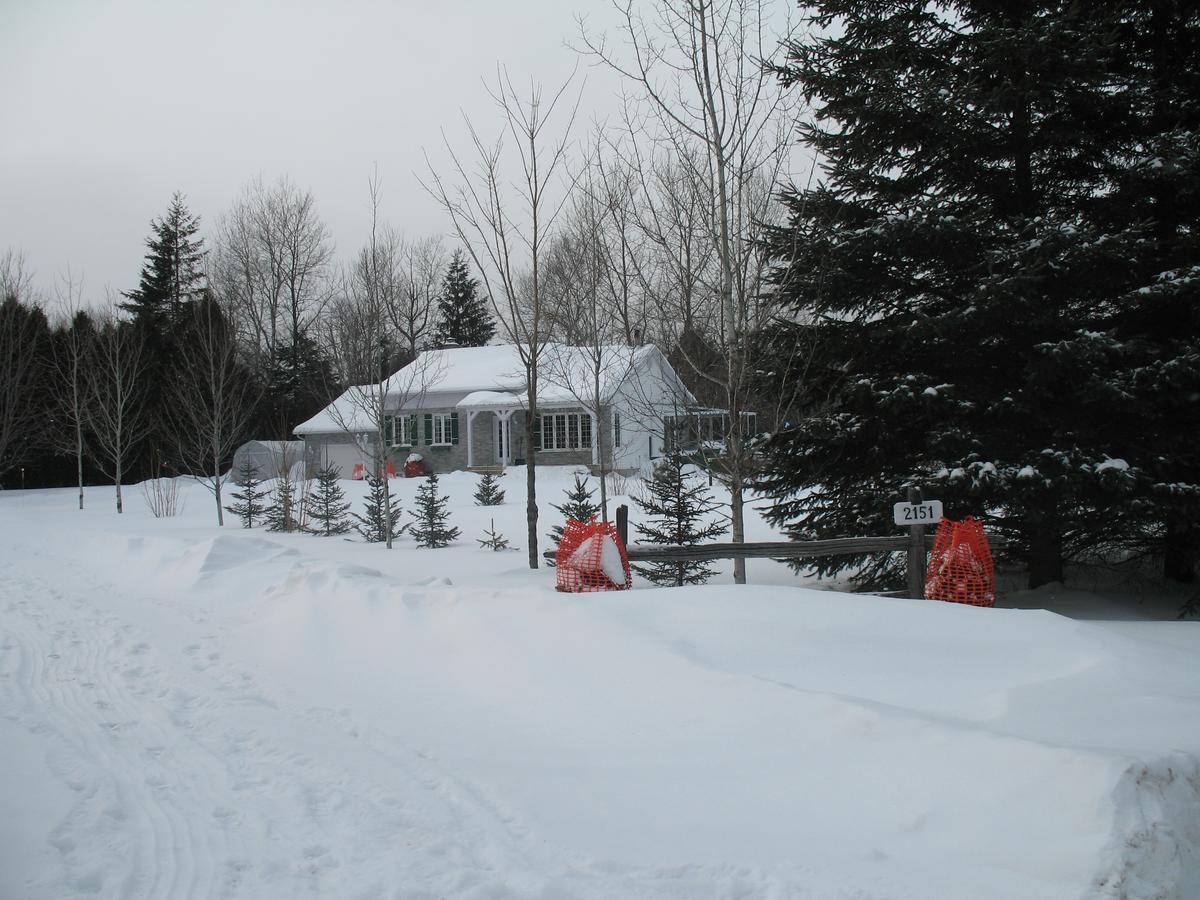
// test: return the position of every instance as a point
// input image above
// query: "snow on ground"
(194, 712)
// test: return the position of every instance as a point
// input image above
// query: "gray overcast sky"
(109, 107)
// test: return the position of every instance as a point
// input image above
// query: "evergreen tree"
(966, 265)
(173, 275)
(679, 504)
(297, 383)
(429, 526)
(249, 505)
(281, 515)
(374, 524)
(463, 317)
(579, 506)
(493, 540)
(328, 506)
(489, 492)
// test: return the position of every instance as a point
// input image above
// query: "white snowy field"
(187, 711)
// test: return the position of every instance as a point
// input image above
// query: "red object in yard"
(591, 557)
(391, 470)
(359, 473)
(414, 468)
(960, 567)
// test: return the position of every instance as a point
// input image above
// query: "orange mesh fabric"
(591, 557)
(960, 567)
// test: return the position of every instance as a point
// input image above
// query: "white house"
(465, 407)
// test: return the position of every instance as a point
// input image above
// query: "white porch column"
(505, 426)
(470, 439)
(595, 438)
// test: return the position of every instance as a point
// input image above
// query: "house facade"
(466, 408)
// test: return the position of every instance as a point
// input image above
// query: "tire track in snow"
(146, 742)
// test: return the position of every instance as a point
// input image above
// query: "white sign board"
(926, 513)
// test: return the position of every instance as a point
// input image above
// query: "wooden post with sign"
(916, 551)
(623, 524)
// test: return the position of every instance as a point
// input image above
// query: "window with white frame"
(398, 431)
(566, 431)
(442, 429)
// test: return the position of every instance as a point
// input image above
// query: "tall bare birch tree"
(505, 231)
(698, 68)
(117, 396)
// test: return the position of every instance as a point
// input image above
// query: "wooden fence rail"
(916, 543)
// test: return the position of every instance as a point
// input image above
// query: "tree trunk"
(120, 507)
(531, 510)
(79, 460)
(1045, 553)
(1181, 551)
(217, 488)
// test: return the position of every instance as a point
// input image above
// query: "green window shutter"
(428, 429)
(412, 430)
(537, 433)
(389, 430)
(454, 428)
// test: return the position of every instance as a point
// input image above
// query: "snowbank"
(254, 715)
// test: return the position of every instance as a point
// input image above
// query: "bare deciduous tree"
(116, 395)
(22, 417)
(272, 261)
(711, 107)
(505, 231)
(414, 310)
(71, 353)
(357, 337)
(212, 397)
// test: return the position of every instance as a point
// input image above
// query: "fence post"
(623, 524)
(916, 552)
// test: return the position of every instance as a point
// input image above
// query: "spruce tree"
(173, 275)
(463, 317)
(492, 539)
(579, 506)
(373, 524)
(966, 266)
(328, 506)
(281, 515)
(249, 505)
(429, 526)
(489, 492)
(680, 508)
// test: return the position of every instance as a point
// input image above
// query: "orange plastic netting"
(591, 557)
(960, 567)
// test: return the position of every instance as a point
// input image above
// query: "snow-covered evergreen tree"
(681, 513)
(579, 506)
(489, 492)
(374, 523)
(430, 518)
(249, 505)
(987, 285)
(463, 316)
(327, 505)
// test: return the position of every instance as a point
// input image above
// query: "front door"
(501, 440)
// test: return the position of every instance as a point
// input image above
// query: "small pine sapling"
(327, 505)
(373, 525)
(489, 492)
(493, 540)
(679, 506)
(429, 527)
(579, 506)
(250, 505)
(281, 515)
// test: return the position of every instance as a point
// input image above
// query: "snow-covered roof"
(277, 446)
(351, 412)
(494, 378)
(490, 400)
